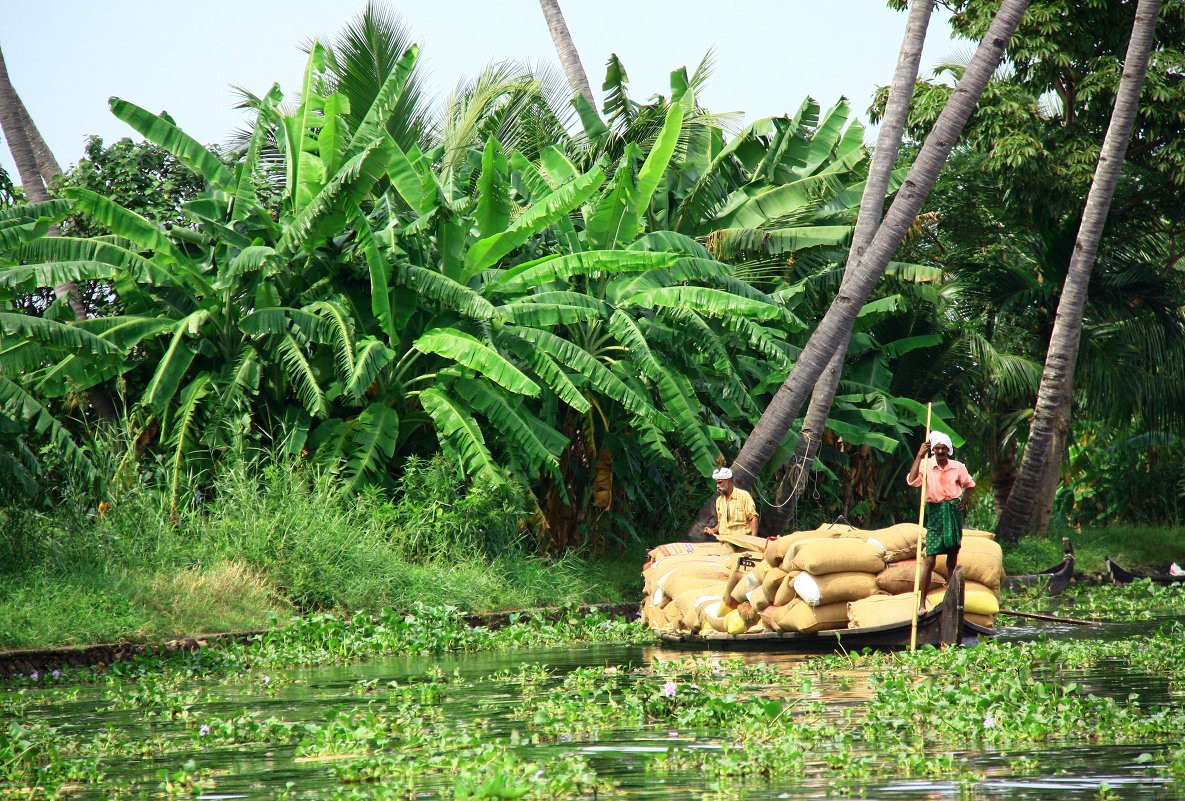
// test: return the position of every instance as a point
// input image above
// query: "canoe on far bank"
(1054, 579)
(1117, 575)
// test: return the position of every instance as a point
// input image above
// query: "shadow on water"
(1049, 772)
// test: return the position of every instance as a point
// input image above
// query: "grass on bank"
(1139, 548)
(278, 542)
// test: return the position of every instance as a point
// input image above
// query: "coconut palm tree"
(884, 157)
(1050, 426)
(836, 325)
(566, 49)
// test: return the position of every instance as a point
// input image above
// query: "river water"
(266, 771)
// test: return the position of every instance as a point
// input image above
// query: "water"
(266, 770)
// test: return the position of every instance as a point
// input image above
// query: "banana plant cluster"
(546, 320)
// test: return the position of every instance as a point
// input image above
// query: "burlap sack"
(899, 577)
(974, 532)
(820, 557)
(747, 583)
(798, 616)
(981, 559)
(880, 610)
(657, 618)
(691, 602)
(785, 594)
(833, 588)
(688, 565)
(792, 550)
(758, 599)
(678, 584)
(773, 580)
(775, 554)
(987, 621)
(900, 541)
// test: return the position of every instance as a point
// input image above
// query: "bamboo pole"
(917, 572)
(1073, 620)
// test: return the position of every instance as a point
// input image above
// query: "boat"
(1117, 575)
(1055, 579)
(942, 625)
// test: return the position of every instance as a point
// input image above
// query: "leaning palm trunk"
(566, 49)
(836, 325)
(1057, 380)
(888, 143)
(36, 167)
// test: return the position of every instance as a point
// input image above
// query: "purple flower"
(57, 674)
(989, 722)
(204, 730)
(35, 675)
(668, 689)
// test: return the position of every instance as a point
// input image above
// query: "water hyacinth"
(669, 689)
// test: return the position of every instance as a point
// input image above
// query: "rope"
(797, 469)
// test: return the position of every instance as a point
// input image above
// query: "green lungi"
(944, 527)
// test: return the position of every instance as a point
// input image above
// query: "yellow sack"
(880, 610)
(834, 588)
(899, 577)
(977, 599)
(798, 616)
(734, 624)
(820, 557)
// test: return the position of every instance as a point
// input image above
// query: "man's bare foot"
(922, 610)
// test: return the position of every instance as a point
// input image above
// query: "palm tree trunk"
(836, 325)
(33, 159)
(1057, 380)
(872, 203)
(566, 49)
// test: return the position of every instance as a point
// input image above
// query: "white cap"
(721, 473)
(938, 438)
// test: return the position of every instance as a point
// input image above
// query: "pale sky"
(66, 57)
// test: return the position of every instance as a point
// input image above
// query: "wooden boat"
(1118, 575)
(942, 625)
(1055, 579)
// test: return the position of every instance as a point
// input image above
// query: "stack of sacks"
(831, 577)
(689, 587)
(832, 568)
(983, 567)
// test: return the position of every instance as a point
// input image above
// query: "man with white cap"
(946, 484)
(735, 511)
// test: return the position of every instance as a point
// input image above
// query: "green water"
(474, 693)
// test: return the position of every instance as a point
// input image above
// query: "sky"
(66, 57)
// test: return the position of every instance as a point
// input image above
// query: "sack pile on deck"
(832, 577)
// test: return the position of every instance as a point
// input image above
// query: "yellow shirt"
(733, 514)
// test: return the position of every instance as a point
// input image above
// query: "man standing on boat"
(735, 511)
(946, 484)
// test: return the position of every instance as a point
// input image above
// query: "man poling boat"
(945, 483)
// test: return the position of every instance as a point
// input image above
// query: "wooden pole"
(917, 572)
(1035, 616)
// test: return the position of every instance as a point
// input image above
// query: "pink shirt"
(943, 484)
